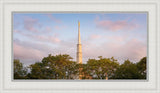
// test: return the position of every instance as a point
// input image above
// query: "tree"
(37, 71)
(54, 67)
(100, 69)
(141, 65)
(61, 67)
(129, 70)
(20, 72)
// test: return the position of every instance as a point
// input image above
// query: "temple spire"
(79, 36)
(79, 52)
(79, 46)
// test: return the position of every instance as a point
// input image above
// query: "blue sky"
(121, 35)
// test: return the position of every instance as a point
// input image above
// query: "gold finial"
(78, 23)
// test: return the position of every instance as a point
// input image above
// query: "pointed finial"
(78, 23)
(79, 38)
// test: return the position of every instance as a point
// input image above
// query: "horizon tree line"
(61, 67)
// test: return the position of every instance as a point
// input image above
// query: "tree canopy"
(129, 70)
(62, 67)
(20, 71)
(54, 67)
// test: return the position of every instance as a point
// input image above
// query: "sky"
(119, 35)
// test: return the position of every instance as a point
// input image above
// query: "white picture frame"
(7, 85)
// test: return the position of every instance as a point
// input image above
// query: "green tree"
(129, 70)
(54, 67)
(101, 68)
(37, 70)
(20, 71)
(141, 65)
(62, 67)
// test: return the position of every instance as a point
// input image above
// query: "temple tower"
(79, 46)
(79, 51)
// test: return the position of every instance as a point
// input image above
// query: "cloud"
(51, 17)
(16, 24)
(23, 52)
(33, 25)
(30, 52)
(30, 23)
(47, 29)
(45, 48)
(132, 49)
(116, 25)
(94, 36)
(59, 27)
(40, 38)
(50, 39)
(117, 39)
(16, 31)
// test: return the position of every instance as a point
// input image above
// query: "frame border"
(63, 80)
(2, 3)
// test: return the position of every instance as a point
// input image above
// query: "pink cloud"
(41, 38)
(30, 23)
(47, 29)
(22, 52)
(50, 16)
(59, 27)
(133, 50)
(16, 31)
(116, 25)
(50, 39)
(35, 51)
(16, 24)
(94, 36)
(119, 39)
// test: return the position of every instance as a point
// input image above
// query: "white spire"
(79, 46)
(79, 36)
(79, 51)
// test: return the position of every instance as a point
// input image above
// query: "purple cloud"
(132, 49)
(116, 25)
(41, 38)
(35, 51)
(94, 36)
(51, 17)
(23, 52)
(30, 23)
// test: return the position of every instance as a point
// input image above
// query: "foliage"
(129, 70)
(20, 72)
(61, 67)
(54, 67)
(100, 69)
(141, 66)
